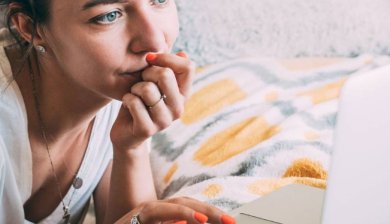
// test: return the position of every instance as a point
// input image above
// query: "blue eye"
(159, 2)
(108, 17)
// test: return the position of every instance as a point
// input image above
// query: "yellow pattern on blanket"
(252, 126)
(234, 140)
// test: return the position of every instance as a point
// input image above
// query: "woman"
(65, 135)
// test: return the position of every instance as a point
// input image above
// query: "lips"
(136, 75)
(131, 73)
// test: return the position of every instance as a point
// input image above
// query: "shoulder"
(6, 76)
(3, 163)
(2, 156)
(109, 113)
(114, 107)
(11, 207)
(104, 120)
(13, 119)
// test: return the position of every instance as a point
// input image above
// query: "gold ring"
(163, 97)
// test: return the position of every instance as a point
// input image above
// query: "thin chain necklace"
(77, 182)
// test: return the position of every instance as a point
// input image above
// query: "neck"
(65, 110)
(64, 105)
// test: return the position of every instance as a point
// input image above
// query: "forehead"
(80, 5)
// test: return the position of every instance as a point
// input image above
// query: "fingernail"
(181, 222)
(226, 219)
(151, 57)
(182, 54)
(200, 217)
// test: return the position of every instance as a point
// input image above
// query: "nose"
(147, 32)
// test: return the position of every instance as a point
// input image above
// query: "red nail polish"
(201, 217)
(226, 219)
(151, 57)
(181, 222)
(182, 54)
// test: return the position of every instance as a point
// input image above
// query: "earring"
(40, 49)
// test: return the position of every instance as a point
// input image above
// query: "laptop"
(358, 188)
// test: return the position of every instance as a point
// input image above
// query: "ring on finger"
(163, 97)
(135, 219)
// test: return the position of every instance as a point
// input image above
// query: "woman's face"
(100, 45)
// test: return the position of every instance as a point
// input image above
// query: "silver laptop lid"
(359, 181)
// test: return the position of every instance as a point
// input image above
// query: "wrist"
(130, 154)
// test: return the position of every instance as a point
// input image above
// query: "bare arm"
(126, 183)
(151, 106)
(127, 188)
(131, 183)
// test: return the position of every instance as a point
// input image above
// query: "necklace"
(77, 181)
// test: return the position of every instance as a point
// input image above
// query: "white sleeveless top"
(16, 158)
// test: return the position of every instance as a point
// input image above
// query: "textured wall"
(214, 30)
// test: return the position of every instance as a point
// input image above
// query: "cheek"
(89, 55)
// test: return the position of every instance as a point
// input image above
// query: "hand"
(177, 210)
(146, 110)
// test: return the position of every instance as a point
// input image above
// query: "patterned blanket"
(252, 126)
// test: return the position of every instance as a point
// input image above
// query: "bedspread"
(251, 126)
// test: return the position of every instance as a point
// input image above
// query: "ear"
(25, 26)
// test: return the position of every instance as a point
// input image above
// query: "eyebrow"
(92, 3)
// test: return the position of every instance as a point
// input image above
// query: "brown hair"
(36, 10)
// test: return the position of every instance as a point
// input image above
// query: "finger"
(183, 68)
(147, 91)
(175, 222)
(166, 81)
(182, 54)
(215, 214)
(151, 96)
(143, 126)
(121, 128)
(163, 211)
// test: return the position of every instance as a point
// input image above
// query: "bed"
(265, 99)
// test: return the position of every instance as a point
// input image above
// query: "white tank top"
(16, 158)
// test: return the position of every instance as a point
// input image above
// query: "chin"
(123, 87)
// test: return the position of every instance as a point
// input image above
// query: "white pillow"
(216, 30)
